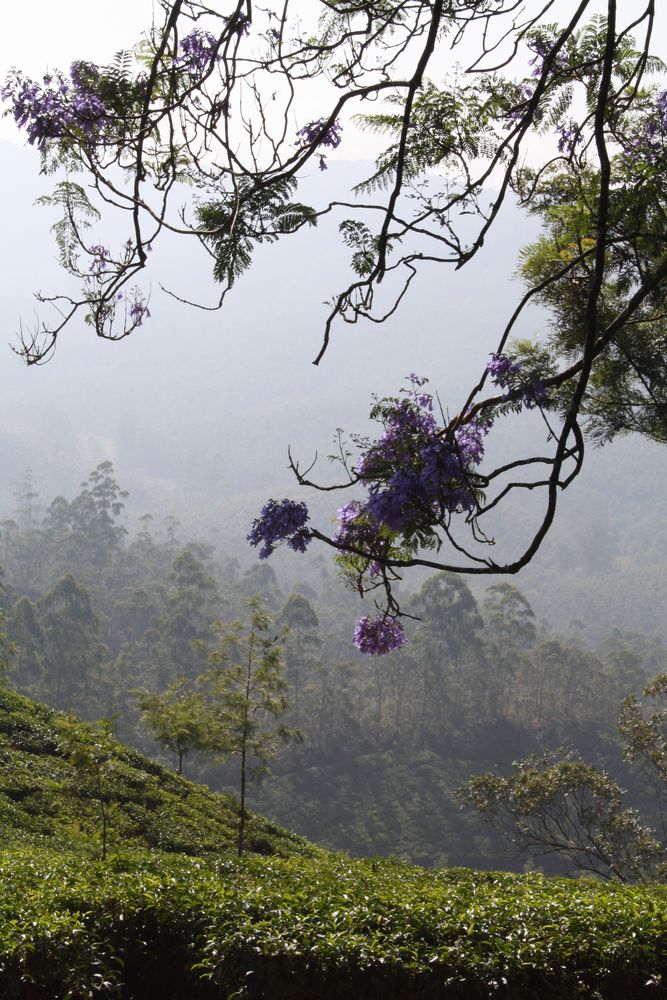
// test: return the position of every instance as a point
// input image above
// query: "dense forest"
(106, 621)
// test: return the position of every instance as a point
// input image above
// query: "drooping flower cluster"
(100, 260)
(542, 49)
(417, 475)
(197, 52)
(280, 521)
(568, 131)
(138, 312)
(379, 636)
(501, 368)
(57, 106)
(317, 133)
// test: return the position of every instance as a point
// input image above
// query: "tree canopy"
(205, 129)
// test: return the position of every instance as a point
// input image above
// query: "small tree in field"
(92, 754)
(246, 686)
(556, 803)
(179, 719)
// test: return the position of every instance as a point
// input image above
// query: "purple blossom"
(198, 51)
(567, 136)
(55, 107)
(525, 94)
(279, 521)
(319, 133)
(501, 368)
(506, 372)
(354, 526)
(542, 49)
(138, 312)
(535, 395)
(100, 259)
(378, 636)
(346, 517)
(647, 144)
(415, 473)
(470, 440)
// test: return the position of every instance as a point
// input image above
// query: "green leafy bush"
(175, 927)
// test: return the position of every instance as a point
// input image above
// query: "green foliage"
(179, 719)
(646, 738)
(480, 683)
(152, 925)
(246, 688)
(78, 214)
(7, 648)
(92, 753)
(255, 214)
(447, 126)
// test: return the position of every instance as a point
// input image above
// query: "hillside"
(304, 923)
(49, 792)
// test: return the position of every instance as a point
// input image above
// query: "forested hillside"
(100, 613)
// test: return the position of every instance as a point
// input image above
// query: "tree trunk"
(243, 782)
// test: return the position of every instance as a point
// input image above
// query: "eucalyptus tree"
(478, 104)
(246, 689)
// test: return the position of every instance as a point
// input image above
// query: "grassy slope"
(43, 796)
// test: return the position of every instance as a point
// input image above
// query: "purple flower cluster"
(317, 133)
(535, 395)
(138, 312)
(378, 636)
(542, 49)
(197, 52)
(648, 142)
(353, 527)
(57, 106)
(280, 521)
(506, 373)
(525, 93)
(501, 368)
(414, 474)
(100, 260)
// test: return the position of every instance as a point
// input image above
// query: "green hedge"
(177, 928)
